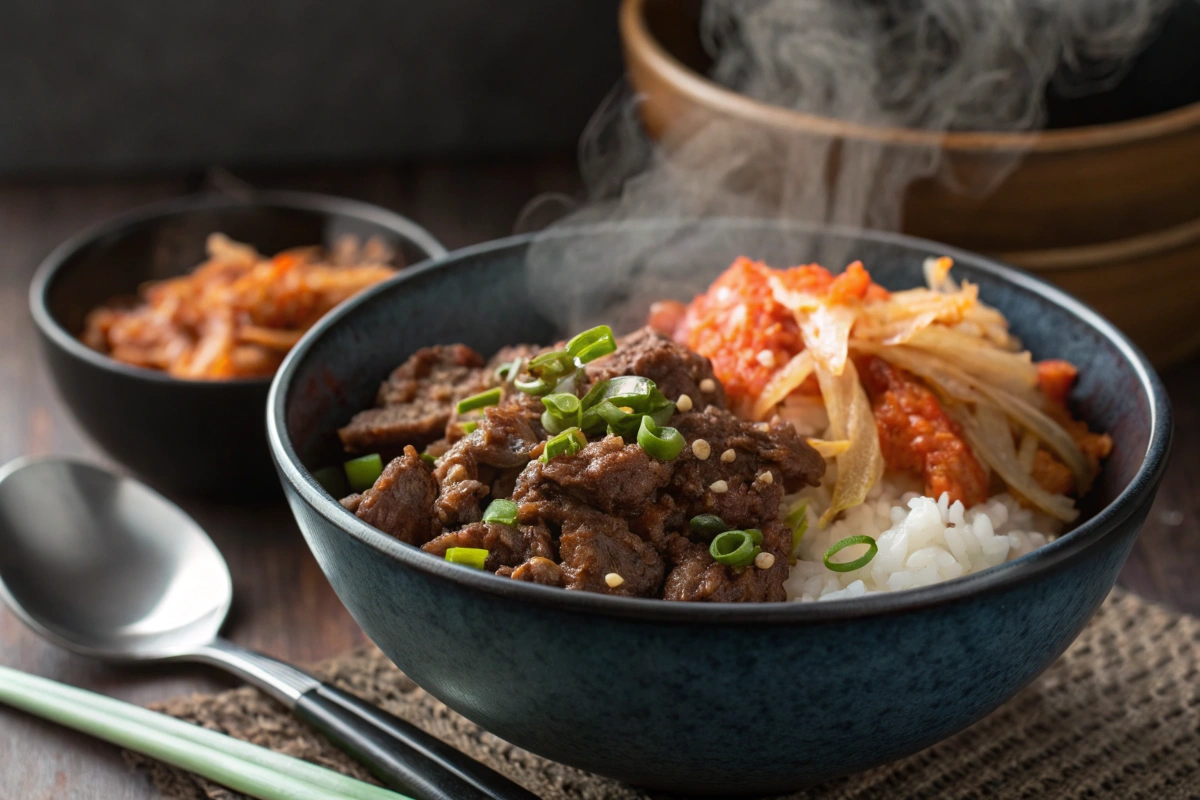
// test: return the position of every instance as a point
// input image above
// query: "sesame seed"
(728, 456)
(765, 427)
(684, 403)
(764, 561)
(702, 449)
(614, 580)
(708, 386)
(766, 358)
(719, 487)
(766, 478)
(457, 473)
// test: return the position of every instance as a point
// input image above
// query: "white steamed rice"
(921, 540)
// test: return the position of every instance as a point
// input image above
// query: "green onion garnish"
(536, 386)
(858, 563)
(428, 458)
(502, 511)
(567, 443)
(736, 548)
(482, 400)
(592, 344)
(708, 525)
(469, 427)
(562, 411)
(469, 556)
(509, 370)
(332, 480)
(363, 472)
(797, 520)
(662, 443)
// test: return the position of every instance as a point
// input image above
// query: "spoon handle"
(398, 753)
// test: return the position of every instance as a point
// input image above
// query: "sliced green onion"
(332, 480)
(468, 556)
(536, 386)
(546, 371)
(662, 443)
(502, 511)
(797, 520)
(510, 370)
(735, 548)
(469, 427)
(708, 525)
(592, 344)
(428, 458)
(482, 400)
(858, 563)
(363, 472)
(567, 443)
(562, 411)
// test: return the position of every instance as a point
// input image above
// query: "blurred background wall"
(137, 85)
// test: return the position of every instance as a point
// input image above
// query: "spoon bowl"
(102, 565)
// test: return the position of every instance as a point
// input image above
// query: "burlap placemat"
(1117, 716)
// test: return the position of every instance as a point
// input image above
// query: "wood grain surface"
(284, 606)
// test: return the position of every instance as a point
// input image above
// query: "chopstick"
(244, 767)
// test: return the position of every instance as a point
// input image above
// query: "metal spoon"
(102, 565)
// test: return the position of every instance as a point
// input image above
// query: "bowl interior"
(168, 240)
(1163, 77)
(534, 289)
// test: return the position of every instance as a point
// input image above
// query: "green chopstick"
(238, 765)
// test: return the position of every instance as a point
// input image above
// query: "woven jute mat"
(1117, 716)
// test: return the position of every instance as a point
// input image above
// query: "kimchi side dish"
(788, 435)
(237, 314)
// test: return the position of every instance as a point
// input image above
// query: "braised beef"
(697, 576)
(607, 475)
(493, 453)
(417, 400)
(673, 368)
(401, 501)
(507, 545)
(609, 518)
(535, 570)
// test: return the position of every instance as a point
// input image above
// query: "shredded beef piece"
(760, 446)
(589, 555)
(401, 501)
(608, 475)
(698, 578)
(417, 400)
(915, 434)
(673, 368)
(535, 570)
(507, 545)
(490, 453)
(350, 502)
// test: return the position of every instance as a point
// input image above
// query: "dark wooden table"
(284, 605)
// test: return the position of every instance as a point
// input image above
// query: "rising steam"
(931, 65)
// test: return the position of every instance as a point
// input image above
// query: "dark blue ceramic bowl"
(720, 698)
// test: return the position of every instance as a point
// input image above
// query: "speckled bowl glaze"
(704, 698)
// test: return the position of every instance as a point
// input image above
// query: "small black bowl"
(204, 438)
(704, 698)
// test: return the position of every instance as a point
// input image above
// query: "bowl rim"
(1049, 556)
(641, 45)
(54, 263)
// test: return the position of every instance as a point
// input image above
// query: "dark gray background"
(120, 85)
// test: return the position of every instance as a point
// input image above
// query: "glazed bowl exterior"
(197, 437)
(704, 698)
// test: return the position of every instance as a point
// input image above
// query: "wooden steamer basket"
(1109, 212)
